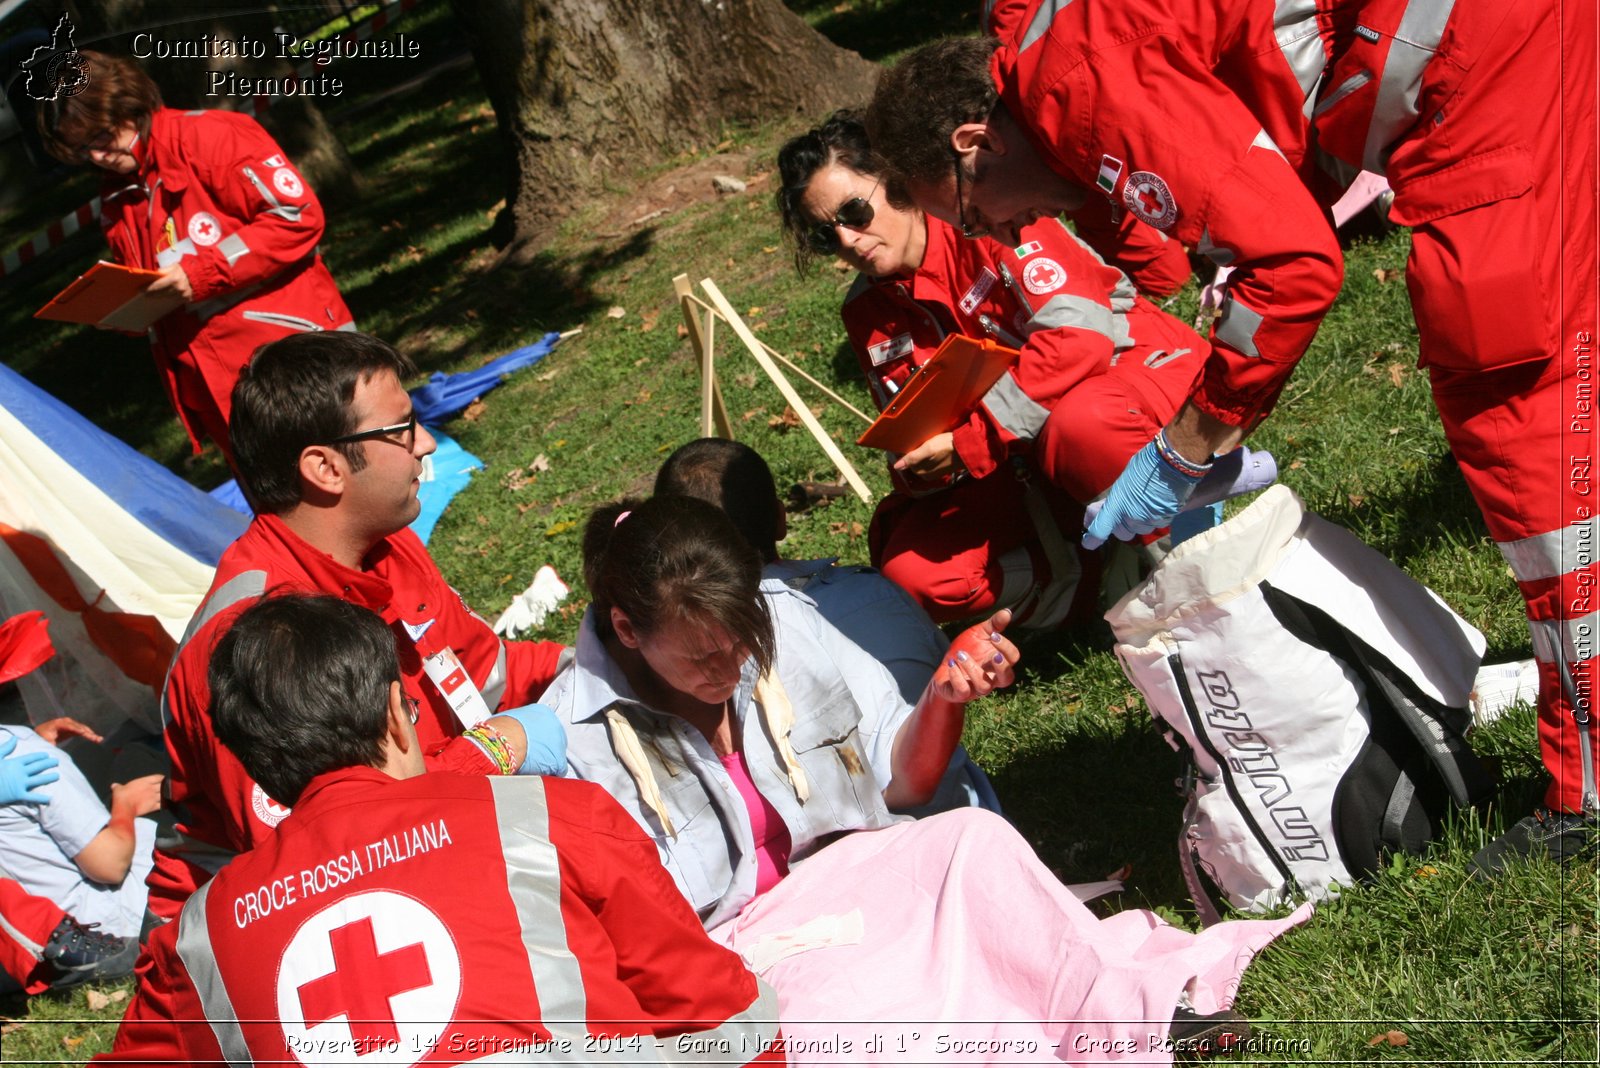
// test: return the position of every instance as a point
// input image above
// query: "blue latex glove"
(21, 776)
(547, 740)
(1148, 493)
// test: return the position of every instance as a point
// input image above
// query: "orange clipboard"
(110, 295)
(940, 394)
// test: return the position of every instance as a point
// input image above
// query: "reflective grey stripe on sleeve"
(494, 687)
(194, 949)
(287, 322)
(1069, 309)
(243, 586)
(1570, 641)
(1411, 50)
(1215, 253)
(1015, 411)
(1237, 327)
(1544, 556)
(1043, 16)
(232, 248)
(20, 940)
(280, 209)
(1294, 24)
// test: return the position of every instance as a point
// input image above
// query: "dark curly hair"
(922, 99)
(841, 139)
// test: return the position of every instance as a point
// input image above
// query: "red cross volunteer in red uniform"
(1503, 276)
(1501, 194)
(972, 528)
(210, 198)
(307, 409)
(401, 917)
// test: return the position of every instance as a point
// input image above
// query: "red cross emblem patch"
(375, 976)
(204, 230)
(1148, 197)
(1043, 275)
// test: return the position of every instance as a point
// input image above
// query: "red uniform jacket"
(1192, 117)
(445, 919)
(220, 810)
(1071, 316)
(216, 194)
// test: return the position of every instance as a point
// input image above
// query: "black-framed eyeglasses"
(402, 434)
(967, 230)
(413, 709)
(856, 213)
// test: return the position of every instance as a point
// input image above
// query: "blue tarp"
(445, 395)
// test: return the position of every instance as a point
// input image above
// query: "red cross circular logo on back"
(1148, 197)
(374, 976)
(1043, 275)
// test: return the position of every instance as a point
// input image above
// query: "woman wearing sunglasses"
(760, 749)
(986, 515)
(208, 199)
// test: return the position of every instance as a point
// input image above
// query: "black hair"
(300, 686)
(673, 560)
(296, 392)
(841, 139)
(735, 478)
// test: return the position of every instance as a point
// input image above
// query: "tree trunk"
(295, 122)
(590, 89)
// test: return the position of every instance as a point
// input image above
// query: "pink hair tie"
(620, 518)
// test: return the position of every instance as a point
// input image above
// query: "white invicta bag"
(1321, 694)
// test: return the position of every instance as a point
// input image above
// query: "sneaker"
(1194, 1035)
(1560, 836)
(81, 952)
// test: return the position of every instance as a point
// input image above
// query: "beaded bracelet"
(494, 746)
(1177, 461)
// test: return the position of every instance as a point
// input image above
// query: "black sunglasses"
(402, 434)
(856, 213)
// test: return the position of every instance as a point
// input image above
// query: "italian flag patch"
(1110, 172)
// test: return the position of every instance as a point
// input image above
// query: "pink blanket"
(946, 941)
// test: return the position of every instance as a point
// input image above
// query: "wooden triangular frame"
(700, 317)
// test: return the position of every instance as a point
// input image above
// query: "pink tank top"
(766, 826)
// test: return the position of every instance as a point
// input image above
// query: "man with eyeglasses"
(401, 916)
(330, 456)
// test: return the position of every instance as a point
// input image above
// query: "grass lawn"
(1422, 966)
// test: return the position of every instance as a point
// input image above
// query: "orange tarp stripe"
(136, 643)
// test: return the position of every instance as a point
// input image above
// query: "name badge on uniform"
(457, 687)
(980, 289)
(893, 349)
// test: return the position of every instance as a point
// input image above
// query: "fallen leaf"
(1296, 465)
(1427, 871)
(474, 411)
(1356, 500)
(789, 418)
(616, 312)
(1386, 275)
(9, 1026)
(1397, 374)
(641, 361)
(560, 528)
(854, 529)
(1393, 431)
(72, 1043)
(683, 330)
(751, 414)
(540, 463)
(650, 318)
(769, 249)
(746, 380)
(96, 1000)
(753, 312)
(547, 376)
(838, 265)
